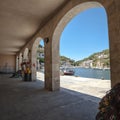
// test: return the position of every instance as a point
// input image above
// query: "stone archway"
(20, 60)
(25, 55)
(58, 30)
(17, 63)
(33, 57)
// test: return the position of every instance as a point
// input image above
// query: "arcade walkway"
(21, 100)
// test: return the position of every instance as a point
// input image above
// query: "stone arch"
(33, 57)
(60, 27)
(25, 55)
(70, 14)
(17, 63)
(20, 60)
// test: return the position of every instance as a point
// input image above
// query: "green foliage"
(66, 59)
(41, 60)
(40, 46)
(94, 57)
(63, 58)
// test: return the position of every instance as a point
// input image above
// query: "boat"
(68, 72)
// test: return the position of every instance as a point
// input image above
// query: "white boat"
(67, 71)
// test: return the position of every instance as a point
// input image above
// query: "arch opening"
(25, 55)
(17, 63)
(74, 12)
(38, 59)
(20, 60)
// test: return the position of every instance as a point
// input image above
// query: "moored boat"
(69, 72)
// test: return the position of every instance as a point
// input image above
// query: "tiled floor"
(21, 100)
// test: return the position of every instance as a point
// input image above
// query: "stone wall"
(7, 63)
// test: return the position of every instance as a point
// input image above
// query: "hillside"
(66, 61)
(98, 60)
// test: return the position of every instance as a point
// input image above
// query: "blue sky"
(85, 34)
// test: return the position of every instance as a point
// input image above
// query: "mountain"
(96, 60)
(66, 61)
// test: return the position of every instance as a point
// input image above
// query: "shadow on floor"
(30, 101)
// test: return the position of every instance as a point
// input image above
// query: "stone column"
(33, 59)
(20, 61)
(52, 77)
(17, 63)
(114, 36)
(33, 65)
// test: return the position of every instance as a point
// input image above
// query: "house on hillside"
(87, 64)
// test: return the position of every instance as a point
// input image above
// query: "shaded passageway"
(28, 101)
(30, 20)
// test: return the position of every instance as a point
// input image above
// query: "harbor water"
(92, 73)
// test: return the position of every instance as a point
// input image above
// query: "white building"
(88, 64)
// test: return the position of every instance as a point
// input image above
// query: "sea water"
(92, 73)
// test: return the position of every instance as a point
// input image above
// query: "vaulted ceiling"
(21, 19)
